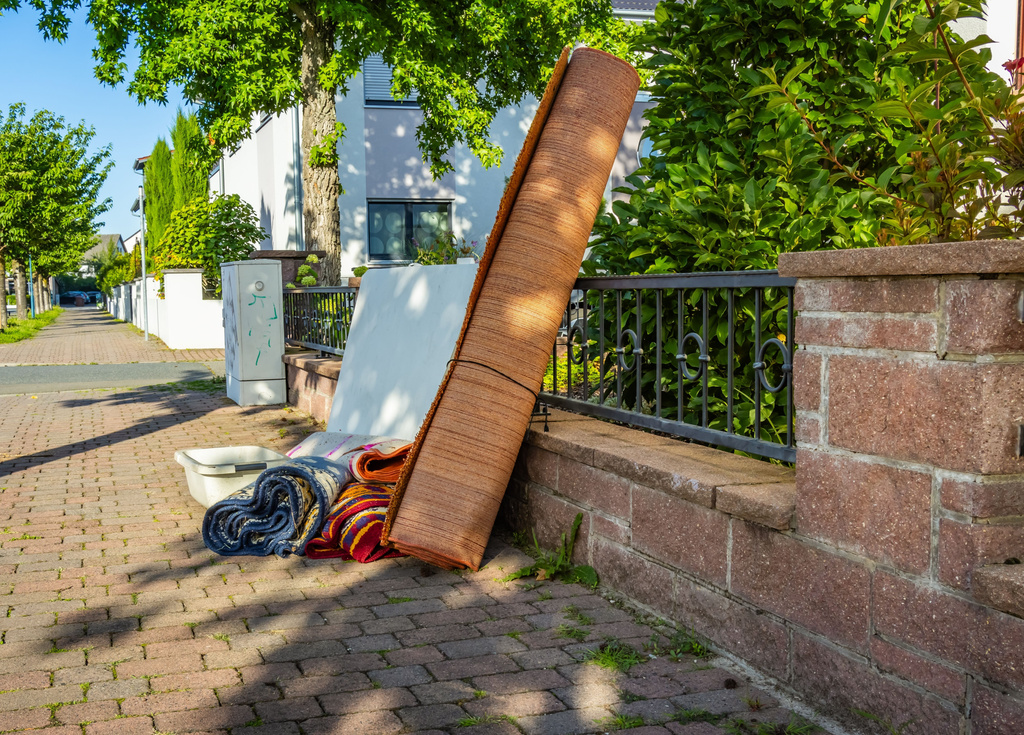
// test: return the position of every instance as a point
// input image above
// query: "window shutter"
(377, 81)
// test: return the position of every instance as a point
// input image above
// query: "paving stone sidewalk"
(86, 335)
(119, 621)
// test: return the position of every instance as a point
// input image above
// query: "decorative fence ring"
(702, 358)
(787, 365)
(621, 351)
(577, 327)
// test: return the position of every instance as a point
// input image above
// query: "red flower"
(1014, 66)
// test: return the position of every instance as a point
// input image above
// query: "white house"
(86, 270)
(389, 195)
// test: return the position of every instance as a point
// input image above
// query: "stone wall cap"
(279, 254)
(929, 259)
(329, 367)
(182, 270)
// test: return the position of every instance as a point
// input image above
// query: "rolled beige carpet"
(452, 485)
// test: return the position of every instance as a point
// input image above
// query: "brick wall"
(311, 382)
(876, 579)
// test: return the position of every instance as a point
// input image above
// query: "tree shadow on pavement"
(159, 407)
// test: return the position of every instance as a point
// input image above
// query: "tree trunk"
(20, 290)
(48, 294)
(320, 185)
(3, 292)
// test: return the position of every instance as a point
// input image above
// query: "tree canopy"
(236, 58)
(49, 190)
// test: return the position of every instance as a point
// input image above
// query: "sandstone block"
(769, 505)
(1000, 586)
(993, 713)
(593, 487)
(957, 416)
(681, 534)
(839, 684)
(969, 636)
(913, 334)
(965, 546)
(942, 680)
(881, 512)
(735, 627)
(633, 576)
(982, 317)
(824, 592)
(894, 296)
(984, 499)
(806, 381)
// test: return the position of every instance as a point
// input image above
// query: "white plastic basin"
(213, 474)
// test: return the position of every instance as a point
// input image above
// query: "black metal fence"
(705, 356)
(318, 318)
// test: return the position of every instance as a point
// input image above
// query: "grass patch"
(487, 720)
(683, 643)
(889, 728)
(21, 329)
(621, 722)
(686, 716)
(796, 726)
(212, 385)
(573, 613)
(397, 600)
(569, 631)
(614, 654)
(221, 637)
(26, 537)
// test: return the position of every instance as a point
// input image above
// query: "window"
(396, 228)
(377, 84)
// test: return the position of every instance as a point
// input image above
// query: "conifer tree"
(190, 174)
(160, 203)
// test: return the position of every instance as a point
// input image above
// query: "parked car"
(94, 296)
(68, 297)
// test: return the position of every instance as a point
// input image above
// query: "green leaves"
(49, 189)
(204, 234)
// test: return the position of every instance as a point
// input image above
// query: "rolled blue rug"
(279, 513)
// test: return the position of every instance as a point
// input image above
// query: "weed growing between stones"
(683, 643)
(573, 613)
(557, 564)
(486, 720)
(796, 726)
(889, 728)
(568, 631)
(614, 654)
(621, 722)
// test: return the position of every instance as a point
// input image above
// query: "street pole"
(31, 288)
(142, 240)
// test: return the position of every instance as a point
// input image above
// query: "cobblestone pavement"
(119, 620)
(86, 335)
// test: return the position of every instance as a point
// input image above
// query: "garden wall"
(311, 382)
(182, 319)
(875, 580)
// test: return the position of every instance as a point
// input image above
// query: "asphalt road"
(16, 379)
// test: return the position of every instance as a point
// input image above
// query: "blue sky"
(59, 78)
